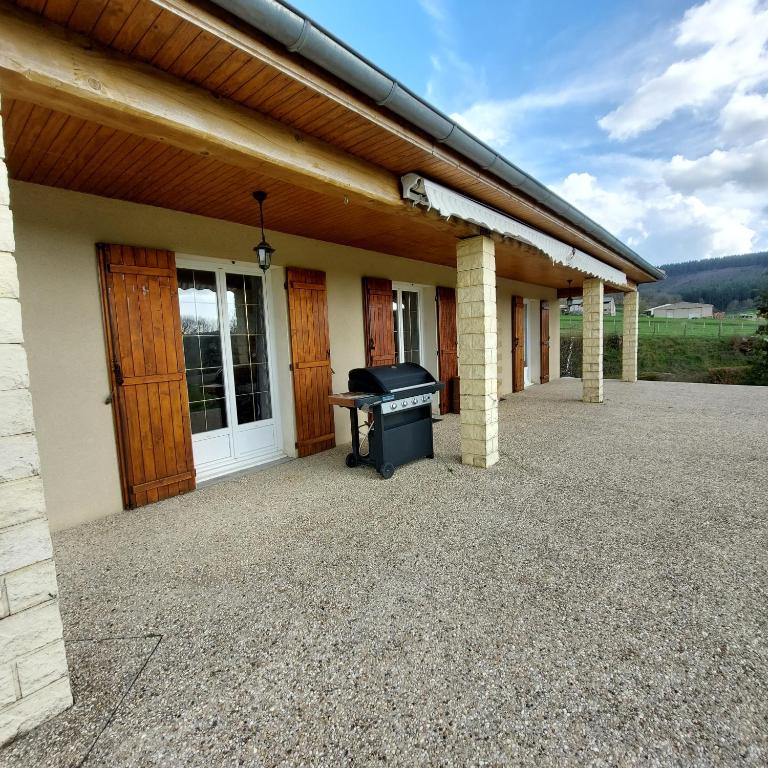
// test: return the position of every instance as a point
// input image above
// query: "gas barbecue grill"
(399, 400)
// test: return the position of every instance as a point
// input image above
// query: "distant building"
(577, 308)
(687, 310)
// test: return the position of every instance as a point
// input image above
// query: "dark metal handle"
(118, 373)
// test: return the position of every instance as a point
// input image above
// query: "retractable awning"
(422, 191)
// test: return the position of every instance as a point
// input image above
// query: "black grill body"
(399, 401)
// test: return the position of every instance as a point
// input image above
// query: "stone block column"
(478, 355)
(629, 345)
(592, 355)
(34, 678)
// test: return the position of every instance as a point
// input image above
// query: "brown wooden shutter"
(311, 360)
(379, 322)
(518, 344)
(447, 350)
(146, 359)
(544, 324)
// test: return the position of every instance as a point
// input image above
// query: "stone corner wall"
(34, 677)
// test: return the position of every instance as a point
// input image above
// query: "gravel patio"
(599, 597)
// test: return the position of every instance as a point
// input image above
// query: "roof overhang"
(301, 35)
(450, 204)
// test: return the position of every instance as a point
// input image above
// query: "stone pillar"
(477, 342)
(592, 356)
(34, 678)
(629, 345)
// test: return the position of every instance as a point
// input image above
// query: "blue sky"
(651, 116)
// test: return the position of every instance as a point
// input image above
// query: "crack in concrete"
(117, 706)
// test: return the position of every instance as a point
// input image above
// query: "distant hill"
(729, 282)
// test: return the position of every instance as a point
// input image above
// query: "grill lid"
(382, 379)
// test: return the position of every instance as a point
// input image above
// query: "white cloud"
(744, 118)
(745, 167)
(494, 120)
(734, 34)
(664, 225)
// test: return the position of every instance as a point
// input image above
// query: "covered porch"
(141, 133)
(580, 598)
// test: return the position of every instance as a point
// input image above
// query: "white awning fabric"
(448, 203)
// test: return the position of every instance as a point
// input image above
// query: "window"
(212, 406)
(407, 323)
(248, 342)
(203, 357)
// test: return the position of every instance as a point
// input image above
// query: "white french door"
(227, 354)
(406, 316)
(526, 342)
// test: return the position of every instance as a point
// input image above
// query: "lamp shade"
(264, 253)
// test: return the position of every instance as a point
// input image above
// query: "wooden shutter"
(379, 323)
(146, 359)
(544, 335)
(518, 344)
(311, 360)
(447, 351)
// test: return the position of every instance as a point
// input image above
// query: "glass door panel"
(248, 340)
(203, 358)
(407, 324)
(411, 336)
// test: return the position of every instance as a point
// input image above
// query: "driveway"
(599, 597)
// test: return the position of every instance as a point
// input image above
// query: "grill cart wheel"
(351, 461)
(387, 470)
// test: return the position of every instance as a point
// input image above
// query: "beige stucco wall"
(56, 233)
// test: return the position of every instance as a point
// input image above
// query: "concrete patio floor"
(599, 597)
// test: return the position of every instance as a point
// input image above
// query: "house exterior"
(142, 349)
(686, 310)
(576, 307)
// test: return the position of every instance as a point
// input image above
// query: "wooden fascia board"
(43, 63)
(216, 25)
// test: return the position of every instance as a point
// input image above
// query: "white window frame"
(413, 288)
(236, 461)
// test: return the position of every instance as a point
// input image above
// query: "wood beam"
(47, 65)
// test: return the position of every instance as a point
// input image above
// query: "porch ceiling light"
(569, 300)
(263, 250)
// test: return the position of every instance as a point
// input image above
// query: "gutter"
(301, 35)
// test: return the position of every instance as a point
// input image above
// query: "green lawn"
(570, 325)
(675, 350)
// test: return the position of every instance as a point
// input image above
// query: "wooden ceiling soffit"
(44, 64)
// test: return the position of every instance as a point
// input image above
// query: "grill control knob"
(392, 406)
(415, 401)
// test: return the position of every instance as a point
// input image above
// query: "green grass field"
(570, 325)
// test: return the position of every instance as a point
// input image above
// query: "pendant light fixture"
(569, 300)
(263, 250)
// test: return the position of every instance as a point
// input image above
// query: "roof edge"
(299, 34)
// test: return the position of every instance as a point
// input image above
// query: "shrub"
(732, 374)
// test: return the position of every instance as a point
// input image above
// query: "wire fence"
(571, 325)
